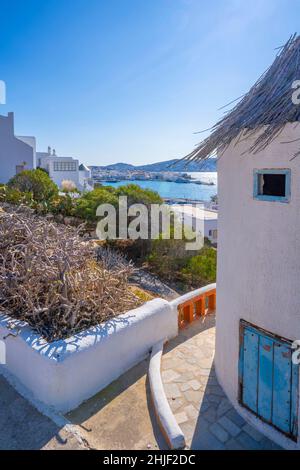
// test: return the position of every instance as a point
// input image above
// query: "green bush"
(43, 169)
(170, 260)
(170, 255)
(62, 204)
(202, 267)
(36, 182)
(138, 195)
(86, 205)
(14, 196)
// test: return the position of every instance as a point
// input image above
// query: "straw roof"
(268, 103)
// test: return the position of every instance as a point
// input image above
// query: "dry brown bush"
(51, 278)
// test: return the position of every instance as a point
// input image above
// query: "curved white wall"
(258, 257)
(64, 373)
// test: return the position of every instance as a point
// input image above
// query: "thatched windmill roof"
(268, 103)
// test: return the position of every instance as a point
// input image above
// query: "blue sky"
(132, 80)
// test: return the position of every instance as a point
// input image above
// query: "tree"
(138, 195)
(87, 204)
(203, 267)
(36, 182)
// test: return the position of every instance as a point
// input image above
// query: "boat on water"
(206, 183)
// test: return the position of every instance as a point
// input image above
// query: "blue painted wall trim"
(268, 379)
(273, 171)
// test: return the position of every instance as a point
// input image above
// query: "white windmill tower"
(258, 293)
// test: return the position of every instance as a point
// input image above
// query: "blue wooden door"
(268, 379)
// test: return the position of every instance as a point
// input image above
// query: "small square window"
(272, 185)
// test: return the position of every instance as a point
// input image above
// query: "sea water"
(179, 190)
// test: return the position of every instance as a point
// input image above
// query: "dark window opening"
(272, 185)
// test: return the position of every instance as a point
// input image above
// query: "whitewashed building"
(258, 294)
(64, 168)
(196, 216)
(16, 153)
(85, 177)
(59, 168)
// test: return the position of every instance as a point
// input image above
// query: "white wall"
(13, 151)
(59, 176)
(31, 141)
(258, 255)
(47, 162)
(206, 220)
(85, 177)
(210, 224)
(62, 374)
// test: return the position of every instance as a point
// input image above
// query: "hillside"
(169, 165)
(119, 167)
(179, 165)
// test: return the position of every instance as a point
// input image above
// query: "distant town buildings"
(122, 173)
(18, 153)
(100, 174)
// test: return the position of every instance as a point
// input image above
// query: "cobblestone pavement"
(201, 408)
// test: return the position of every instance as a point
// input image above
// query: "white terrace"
(177, 404)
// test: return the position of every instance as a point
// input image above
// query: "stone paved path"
(121, 416)
(23, 427)
(200, 406)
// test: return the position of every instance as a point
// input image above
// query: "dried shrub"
(50, 277)
(113, 260)
(68, 186)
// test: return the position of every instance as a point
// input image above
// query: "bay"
(167, 189)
